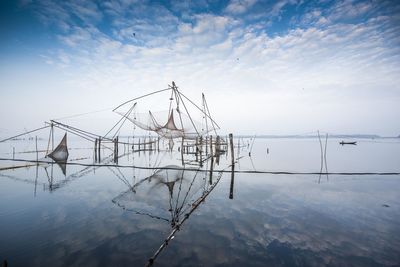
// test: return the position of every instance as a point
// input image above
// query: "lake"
(119, 214)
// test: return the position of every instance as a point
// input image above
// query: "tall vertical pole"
(98, 149)
(95, 150)
(211, 146)
(37, 155)
(52, 137)
(232, 148)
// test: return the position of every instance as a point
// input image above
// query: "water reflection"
(104, 214)
(170, 189)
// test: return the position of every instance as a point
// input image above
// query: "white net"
(167, 124)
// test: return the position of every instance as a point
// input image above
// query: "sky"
(266, 67)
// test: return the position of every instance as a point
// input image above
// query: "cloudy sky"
(266, 67)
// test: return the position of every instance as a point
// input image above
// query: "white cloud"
(348, 9)
(239, 6)
(246, 72)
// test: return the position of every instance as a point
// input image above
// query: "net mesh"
(167, 124)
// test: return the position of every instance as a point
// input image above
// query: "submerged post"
(232, 148)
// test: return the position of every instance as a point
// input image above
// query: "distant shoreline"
(344, 136)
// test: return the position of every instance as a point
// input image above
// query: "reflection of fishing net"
(166, 195)
(167, 124)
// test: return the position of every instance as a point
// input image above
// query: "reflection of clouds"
(272, 221)
(84, 228)
(166, 194)
(266, 228)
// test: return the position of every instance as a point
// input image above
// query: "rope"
(41, 128)
(82, 114)
(223, 170)
(159, 91)
(194, 104)
(179, 96)
(212, 122)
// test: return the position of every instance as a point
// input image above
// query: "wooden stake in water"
(98, 149)
(232, 149)
(211, 146)
(95, 150)
(37, 155)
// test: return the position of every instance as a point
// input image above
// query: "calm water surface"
(119, 216)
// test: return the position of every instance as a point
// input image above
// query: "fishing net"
(167, 124)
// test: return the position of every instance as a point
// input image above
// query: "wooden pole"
(217, 149)
(37, 155)
(95, 150)
(98, 149)
(217, 145)
(52, 137)
(206, 144)
(115, 149)
(232, 148)
(211, 146)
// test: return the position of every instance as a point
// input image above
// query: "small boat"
(348, 143)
